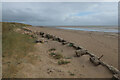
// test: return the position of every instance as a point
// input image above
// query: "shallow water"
(91, 29)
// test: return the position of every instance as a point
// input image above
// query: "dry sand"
(97, 43)
(79, 67)
(44, 66)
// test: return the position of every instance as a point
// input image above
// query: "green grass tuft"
(70, 44)
(56, 55)
(52, 49)
(60, 62)
(52, 54)
(68, 57)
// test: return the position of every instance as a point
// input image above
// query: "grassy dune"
(15, 47)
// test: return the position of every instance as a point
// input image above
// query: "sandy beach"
(54, 39)
(41, 63)
(98, 43)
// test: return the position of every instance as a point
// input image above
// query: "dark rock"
(38, 41)
(58, 39)
(76, 47)
(90, 54)
(64, 43)
(50, 36)
(42, 33)
(71, 44)
(95, 61)
(47, 36)
(112, 69)
(54, 38)
(80, 52)
(116, 77)
(62, 40)
(43, 36)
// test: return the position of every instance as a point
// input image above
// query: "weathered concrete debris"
(116, 77)
(37, 33)
(95, 61)
(76, 47)
(51, 36)
(39, 41)
(47, 36)
(43, 36)
(62, 40)
(42, 33)
(114, 70)
(100, 57)
(58, 39)
(64, 43)
(111, 68)
(70, 44)
(90, 54)
(80, 52)
(54, 38)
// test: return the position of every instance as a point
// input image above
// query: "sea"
(96, 29)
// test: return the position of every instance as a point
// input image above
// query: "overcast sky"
(61, 13)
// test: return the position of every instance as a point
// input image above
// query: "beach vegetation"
(15, 46)
(70, 44)
(56, 55)
(52, 49)
(61, 62)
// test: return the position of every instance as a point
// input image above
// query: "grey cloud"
(52, 13)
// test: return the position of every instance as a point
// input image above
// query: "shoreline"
(91, 29)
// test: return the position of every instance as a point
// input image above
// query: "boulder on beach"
(80, 52)
(116, 77)
(71, 44)
(76, 47)
(64, 43)
(54, 38)
(41, 33)
(95, 61)
(112, 69)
